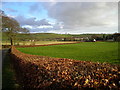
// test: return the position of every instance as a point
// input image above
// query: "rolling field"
(85, 51)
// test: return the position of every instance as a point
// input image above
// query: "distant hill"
(46, 36)
(36, 36)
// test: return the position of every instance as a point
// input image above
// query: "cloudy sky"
(65, 17)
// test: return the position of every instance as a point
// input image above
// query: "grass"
(86, 51)
(43, 36)
(8, 75)
(35, 36)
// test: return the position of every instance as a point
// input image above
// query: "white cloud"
(85, 16)
(27, 26)
(11, 16)
(73, 17)
(45, 26)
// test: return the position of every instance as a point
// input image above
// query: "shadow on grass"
(9, 81)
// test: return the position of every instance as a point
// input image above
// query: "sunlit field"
(35, 43)
(85, 51)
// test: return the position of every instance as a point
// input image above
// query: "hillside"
(37, 36)
(48, 37)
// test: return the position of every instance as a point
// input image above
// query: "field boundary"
(8, 46)
(51, 73)
(46, 44)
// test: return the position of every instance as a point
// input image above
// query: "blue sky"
(64, 17)
(23, 8)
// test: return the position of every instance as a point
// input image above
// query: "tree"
(11, 27)
(104, 37)
(116, 36)
(94, 36)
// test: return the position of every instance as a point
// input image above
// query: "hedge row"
(56, 73)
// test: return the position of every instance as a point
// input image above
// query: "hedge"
(57, 73)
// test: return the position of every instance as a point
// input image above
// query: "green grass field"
(86, 51)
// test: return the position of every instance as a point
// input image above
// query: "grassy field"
(87, 51)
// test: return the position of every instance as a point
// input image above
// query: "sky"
(64, 17)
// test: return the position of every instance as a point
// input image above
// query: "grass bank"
(9, 81)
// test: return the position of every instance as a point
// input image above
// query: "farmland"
(57, 46)
(56, 73)
(35, 43)
(45, 36)
(39, 38)
(85, 51)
